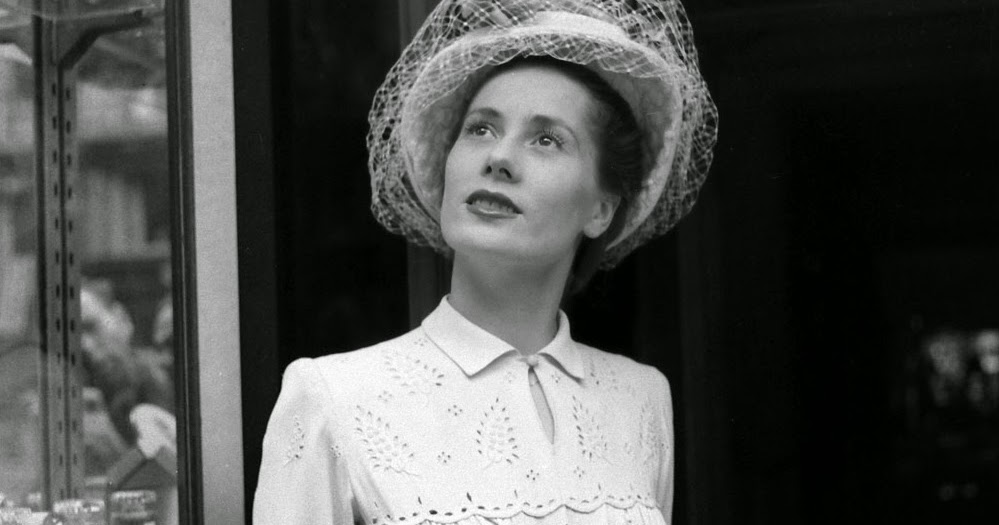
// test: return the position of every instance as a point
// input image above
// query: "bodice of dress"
(439, 425)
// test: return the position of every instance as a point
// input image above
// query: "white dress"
(440, 426)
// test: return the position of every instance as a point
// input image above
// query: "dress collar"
(473, 348)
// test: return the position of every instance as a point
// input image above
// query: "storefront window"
(87, 379)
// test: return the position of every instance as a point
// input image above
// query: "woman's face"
(521, 180)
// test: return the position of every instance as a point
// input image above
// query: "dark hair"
(619, 155)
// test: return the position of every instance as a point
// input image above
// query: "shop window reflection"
(125, 294)
(21, 440)
(117, 229)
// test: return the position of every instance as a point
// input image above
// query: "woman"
(532, 141)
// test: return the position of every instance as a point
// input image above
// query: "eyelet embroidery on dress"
(496, 441)
(296, 448)
(385, 396)
(579, 472)
(510, 376)
(414, 375)
(385, 450)
(337, 450)
(632, 391)
(649, 437)
(532, 475)
(455, 410)
(443, 458)
(603, 373)
(592, 441)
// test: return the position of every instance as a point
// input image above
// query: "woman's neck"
(518, 306)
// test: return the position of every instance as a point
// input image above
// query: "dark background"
(850, 212)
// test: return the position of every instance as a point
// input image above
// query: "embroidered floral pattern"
(443, 458)
(592, 440)
(604, 374)
(495, 436)
(455, 410)
(385, 450)
(532, 475)
(385, 396)
(296, 448)
(415, 376)
(648, 433)
(579, 472)
(336, 450)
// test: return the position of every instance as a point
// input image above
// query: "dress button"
(531, 360)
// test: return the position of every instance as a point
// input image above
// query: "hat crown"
(578, 22)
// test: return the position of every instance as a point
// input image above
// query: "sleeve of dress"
(664, 485)
(303, 478)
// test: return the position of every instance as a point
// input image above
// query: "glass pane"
(10, 17)
(77, 9)
(21, 452)
(124, 246)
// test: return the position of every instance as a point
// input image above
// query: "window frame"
(213, 307)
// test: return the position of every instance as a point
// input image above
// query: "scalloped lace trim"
(623, 508)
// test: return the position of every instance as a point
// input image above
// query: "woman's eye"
(477, 129)
(549, 139)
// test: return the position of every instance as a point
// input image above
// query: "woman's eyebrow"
(483, 112)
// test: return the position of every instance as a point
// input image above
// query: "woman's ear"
(602, 216)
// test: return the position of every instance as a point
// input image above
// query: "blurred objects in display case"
(957, 381)
(21, 432)
(114, 220)
(949, 450)
(78, 9)
(11, 18)
(133, 507)
(81, 511)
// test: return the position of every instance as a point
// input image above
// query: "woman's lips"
(491, 204)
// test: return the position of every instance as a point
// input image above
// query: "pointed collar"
(473, 348)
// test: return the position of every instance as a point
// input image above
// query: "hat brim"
(433, 110)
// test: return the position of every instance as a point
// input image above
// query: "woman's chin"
(495, 247)
(496, 252)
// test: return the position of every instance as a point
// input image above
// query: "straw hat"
(642, 48)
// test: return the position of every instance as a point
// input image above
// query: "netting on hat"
(644, 48)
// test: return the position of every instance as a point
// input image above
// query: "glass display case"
(98, 381)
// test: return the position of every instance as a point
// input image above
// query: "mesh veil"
(417, 111)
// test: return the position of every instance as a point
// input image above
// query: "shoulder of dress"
(347, 375)
(367, 356)
(597, 360)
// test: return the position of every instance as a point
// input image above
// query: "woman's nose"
(500, 162)
(499, 169)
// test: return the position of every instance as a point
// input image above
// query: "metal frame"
(58, 45)
(213, 186)
(182, 242)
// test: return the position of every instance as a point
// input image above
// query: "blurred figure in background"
(117, 377)
(984, 387)
(20, 436)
